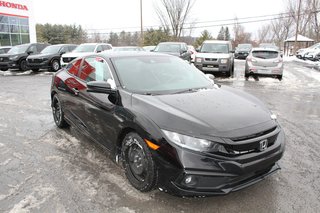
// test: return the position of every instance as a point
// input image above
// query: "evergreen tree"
(227, 34)
(205, 35)
(221, 35)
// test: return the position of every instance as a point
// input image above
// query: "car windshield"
(51, 49)
(265, 54)
(85, 48)
(244, 46)
(158, 74)
(168, 48)
(18, 49)
(214, 48)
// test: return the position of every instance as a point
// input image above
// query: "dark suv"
(179, 49)
(49, 57)
(15, 58)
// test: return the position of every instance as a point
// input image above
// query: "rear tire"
(138, 163)
(279, 77)
(4, 69)
(57, 112)
(35, 70)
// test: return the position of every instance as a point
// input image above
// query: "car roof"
(120, 54)
(264, 49)
(95, 44)
(216, 42)
(171, 42)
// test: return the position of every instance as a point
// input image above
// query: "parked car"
(128, 48)
(167, 124)
(16, 57)
(264, 62)
(84, 49)
(215, 56)
(179, 49)
(193, 52)
(312, 54)
(301, 53)
(149, 48)
(49, 57)
(4, 49)
(242, 51)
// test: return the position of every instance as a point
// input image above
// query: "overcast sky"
(120, 15)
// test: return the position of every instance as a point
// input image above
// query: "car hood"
(171, 53)
(42, 55)
(223, 112)
(213, 55)
(12, 55)
(76, 55)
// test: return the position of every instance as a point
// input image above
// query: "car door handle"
(76, 91)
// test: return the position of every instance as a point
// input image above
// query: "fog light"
(188, 179)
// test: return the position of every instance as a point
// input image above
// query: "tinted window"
(95, 69)
(64, 49)
(51, 49)
(106, 47)
(73, 67)
(99, 49)
(33, 49)
(158, 74)
(265, 54)
(168, 48)
(71, 48)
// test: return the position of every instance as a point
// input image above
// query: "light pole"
(141, 24)
(297, 29)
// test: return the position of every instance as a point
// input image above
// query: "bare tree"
(173, 15)
(240, 36)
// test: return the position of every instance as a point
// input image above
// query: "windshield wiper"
(189, 90)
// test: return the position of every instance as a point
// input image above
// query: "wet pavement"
(46, 169)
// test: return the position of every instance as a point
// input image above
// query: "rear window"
(265, 54)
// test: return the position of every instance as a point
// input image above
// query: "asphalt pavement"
(46, 169)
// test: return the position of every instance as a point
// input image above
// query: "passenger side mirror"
(100, 87)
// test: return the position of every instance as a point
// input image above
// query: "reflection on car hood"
(42, 55)
(223, 112)
(212, 55)
(66, 55)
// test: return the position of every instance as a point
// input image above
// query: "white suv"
(82, 50)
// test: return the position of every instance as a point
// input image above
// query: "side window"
(106, 47)
(99, 49)
(64, 50)
(73, 68)
(95, 69)
(33, 49)
(71, 48)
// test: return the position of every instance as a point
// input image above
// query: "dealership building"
(16, 22)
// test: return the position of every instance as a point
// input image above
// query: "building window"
(14, 30)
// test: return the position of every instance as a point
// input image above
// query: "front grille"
(251, 143)
(67, 59)
(211, 59)
(4, 59)
(34, 60)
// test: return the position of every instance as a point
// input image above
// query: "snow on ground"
(28, 72)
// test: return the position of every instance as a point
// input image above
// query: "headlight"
(13, 58)
(224, 61)
(193, 143)
(198, 60)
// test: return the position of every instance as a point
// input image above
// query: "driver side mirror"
(63, 52)
(29, 52)
(100, 87)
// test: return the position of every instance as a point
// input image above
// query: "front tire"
(57, 112)
(35, 70)
(279, 77)
(55, 65)
(138, 163)
(4, 69)
(23, 65)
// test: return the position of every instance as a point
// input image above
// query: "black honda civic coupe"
(167, 123)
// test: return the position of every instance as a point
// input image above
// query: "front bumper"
(42, 65)
(213, 67)
(9, 65)
(215, 175)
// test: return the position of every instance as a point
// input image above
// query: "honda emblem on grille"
(263, 145)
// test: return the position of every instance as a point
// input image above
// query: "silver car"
(266, 62)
